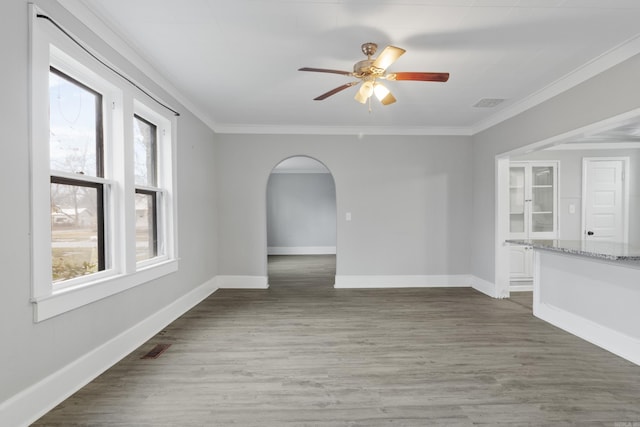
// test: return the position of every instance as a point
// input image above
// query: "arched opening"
(301, 223)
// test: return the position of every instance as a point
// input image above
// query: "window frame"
(120, 101)
(165, 166)
(154, 229)
(138, 117)
(99, 117)
(81, 179)
(100, 212)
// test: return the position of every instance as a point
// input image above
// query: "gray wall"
(606, 95)
(31, 351)
(301, 210)
(570, 187)
(410, 199)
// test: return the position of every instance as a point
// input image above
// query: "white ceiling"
(236, 61)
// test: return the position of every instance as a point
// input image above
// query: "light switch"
(348, 216)
(572, 208)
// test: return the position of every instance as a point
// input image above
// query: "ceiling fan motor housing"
(365, 68)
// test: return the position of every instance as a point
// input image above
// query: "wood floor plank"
(304, 354)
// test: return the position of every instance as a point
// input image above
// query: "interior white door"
(604, 200)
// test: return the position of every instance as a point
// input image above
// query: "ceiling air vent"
(488, 102)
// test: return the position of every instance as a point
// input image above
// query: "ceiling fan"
(370, 70)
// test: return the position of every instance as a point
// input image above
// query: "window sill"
(68, 299)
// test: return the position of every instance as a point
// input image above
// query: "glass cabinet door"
(516, 199)
(542, 199)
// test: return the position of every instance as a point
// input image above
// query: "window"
(102, 178)
(77, 197)
(147, 193)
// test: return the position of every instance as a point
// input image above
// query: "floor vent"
(156, 351)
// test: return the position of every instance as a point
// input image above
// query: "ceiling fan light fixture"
(361, 99)
(365, 91)
(381, 91)
(369, 70)
(383, 94)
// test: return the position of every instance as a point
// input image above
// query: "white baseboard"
(426, 281)
(611, 340)
(242, 282)
(30, 404)
(484, 286)
(301, 250)
(520, 288)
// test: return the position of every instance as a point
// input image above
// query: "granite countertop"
(596, 249)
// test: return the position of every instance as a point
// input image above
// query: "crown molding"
(609, 59)
(596, 146)
(359, 131)
(91, 19)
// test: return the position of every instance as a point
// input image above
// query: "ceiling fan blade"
(423, 77)
(388, 57)
(336, 90)
(324, 70)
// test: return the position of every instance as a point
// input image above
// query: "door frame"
(626, 161)
(265, 214)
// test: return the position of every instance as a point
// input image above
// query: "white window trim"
(166, 206)
(49, 47)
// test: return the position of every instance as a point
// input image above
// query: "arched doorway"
(301, 223)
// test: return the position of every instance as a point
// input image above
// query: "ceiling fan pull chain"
(369, 99)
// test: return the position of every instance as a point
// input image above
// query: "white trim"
(293, 129)
(301, 250)
(521, 287)
(611, 340)
(413, 281)
(574, 134)
(501, 224)
(581, 146)
(242, 282)
(486, 287)
(66, 299)
(30, 404)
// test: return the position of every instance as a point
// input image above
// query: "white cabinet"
(521, 260)
(533, 202)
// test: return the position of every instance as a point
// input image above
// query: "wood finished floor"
(305, 354)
